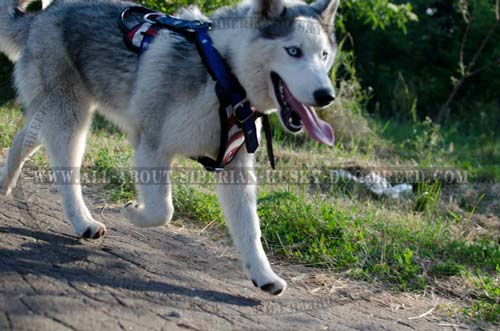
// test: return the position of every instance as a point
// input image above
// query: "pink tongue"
(318, 130)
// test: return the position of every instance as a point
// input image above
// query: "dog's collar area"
(236, 114)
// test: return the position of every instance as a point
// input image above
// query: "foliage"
(428, 57)
(6, 90)
(207, 6)
(377, 14)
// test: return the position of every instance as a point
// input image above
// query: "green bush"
(428, 57)
(6, 90)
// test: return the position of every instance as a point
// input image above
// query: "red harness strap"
(141, 36)
(235, 137)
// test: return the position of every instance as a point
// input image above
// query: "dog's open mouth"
(295, 115)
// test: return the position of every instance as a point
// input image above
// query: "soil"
(169, 278)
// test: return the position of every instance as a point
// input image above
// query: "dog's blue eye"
(294, 51)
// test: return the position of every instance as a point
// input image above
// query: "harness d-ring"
(131, 10)
(149, 20)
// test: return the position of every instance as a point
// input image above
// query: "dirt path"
(166, 278)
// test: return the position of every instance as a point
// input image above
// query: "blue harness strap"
(228, 87)
(237, 116)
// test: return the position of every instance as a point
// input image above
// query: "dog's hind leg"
(25, 143)
(155, 206)
(64, 134)
(239, 204)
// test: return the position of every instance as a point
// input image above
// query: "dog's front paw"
(144, 218)
(130, 211)
(91, 230)
(270, 283)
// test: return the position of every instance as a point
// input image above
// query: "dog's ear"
(268, 9)
(327, 9)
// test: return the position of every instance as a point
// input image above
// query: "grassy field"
(445, 234)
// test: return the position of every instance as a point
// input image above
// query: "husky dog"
(70, 60)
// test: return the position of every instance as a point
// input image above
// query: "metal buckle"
(209, 25)
(239, 105)
(149, 20)
(197, 24)
(177, 23)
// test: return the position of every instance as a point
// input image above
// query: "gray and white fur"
(70, 61)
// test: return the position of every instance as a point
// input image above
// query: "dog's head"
(286, 60)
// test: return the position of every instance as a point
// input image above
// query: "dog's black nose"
(324, 97)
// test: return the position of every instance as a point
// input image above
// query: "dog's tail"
(14, 28)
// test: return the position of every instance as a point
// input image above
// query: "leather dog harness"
(237, 118)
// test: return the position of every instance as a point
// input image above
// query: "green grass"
(402, 245)
(429, 145)
(10, 121)
(486, 302)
